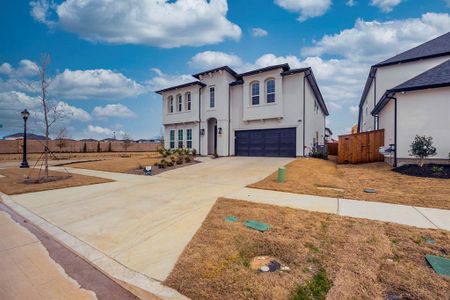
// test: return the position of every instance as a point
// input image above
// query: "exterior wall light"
(202, 131)
(220, 130)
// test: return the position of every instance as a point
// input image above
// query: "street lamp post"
(25, 114)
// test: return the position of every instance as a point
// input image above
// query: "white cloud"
(385, 5)
(259, 32)
(375, 41)
(6, 68)
(162, 80)
(351, 3)
(72, 112)
(113, 110)
(98, 131)
(306, 8)
(159, 23)
(212, 59)
(354, 109)
(94, 84)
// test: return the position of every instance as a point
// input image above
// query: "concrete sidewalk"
(401, 214)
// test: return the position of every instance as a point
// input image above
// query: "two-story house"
(409, 95)
(273, 111)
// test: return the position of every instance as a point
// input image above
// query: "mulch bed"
(428, 170)
(156, 170)
(42, 179)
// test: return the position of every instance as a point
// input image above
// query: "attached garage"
(266, 142)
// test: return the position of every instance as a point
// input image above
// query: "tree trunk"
(44, 103)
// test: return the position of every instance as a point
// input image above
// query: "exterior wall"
(291, 104)
(183, 116)
(314, 121)
(221, 82)
(176, 127)
(264, 110)
(423, 112)
(389, 77)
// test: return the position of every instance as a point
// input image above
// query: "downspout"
(200, 121)
(375, 123)
(395, 129)
(229, 119)
(307, 73)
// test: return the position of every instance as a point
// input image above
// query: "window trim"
(212, 100)
(189, 140)
(170, 103)
(188, 100)
(179, 98)
(182, 138)
(258, 96)
(172, 138)
(271, 93)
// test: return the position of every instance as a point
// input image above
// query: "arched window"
(255, 92)
(170, 101)
(188, 100)
(179, 103)
(270, 90)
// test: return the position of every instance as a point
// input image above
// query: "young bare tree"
(126, 141)
(62, 138)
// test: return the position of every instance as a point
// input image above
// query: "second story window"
(188, 101)
(255, 93)
(179, 103)
(170, 101)
(212, 97)
(270, 91)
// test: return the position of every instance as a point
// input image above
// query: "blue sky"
(108, 57)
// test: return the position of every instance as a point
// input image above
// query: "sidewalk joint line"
(426, 217)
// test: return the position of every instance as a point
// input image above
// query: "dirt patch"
(429, 170)
(342, 257)
(324, 178)
(19, 181)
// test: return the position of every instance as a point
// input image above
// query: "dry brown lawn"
(325, 178)
(119, 164)
(86, 156)
(363, 259)
(13, 181)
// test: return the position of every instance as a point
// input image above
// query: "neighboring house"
(420, 106)
(273, 111)
(19, 136)
(396, 70)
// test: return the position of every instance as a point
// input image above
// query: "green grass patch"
(315, 289)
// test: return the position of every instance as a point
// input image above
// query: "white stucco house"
(409, 94)
(273, 111)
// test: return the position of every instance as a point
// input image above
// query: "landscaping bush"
(319, 152)
(163, 164)
(194, 152)
(170, 164)
(422, 147)
(187, 159)
(180, 161)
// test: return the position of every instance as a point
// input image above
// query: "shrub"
(437, 169)
(84, 148)
(180, 161)
(165, 152)
(162, 164)
(187, 159)
(422, 147)
(194, 153)
(173, 158)
(98, 147)
(170, 164)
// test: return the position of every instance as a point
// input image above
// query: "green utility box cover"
(281, 174)
(231, 219)
(257, 225)
(440, 264)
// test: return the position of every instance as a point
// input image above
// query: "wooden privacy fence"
(361, 147)
(332, 148)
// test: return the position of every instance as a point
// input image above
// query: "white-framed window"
(367, 110)
(172, 139)
(179, 103)
(254, 86)
(270, 90)
(180, 138)
(212, 97)
(316, 107)
(170, 103)
(189, 138)
(188, 100)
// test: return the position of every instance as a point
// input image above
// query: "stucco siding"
(314, 121)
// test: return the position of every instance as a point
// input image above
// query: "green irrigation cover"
(231, 219)
(257, 225)
(440, 264)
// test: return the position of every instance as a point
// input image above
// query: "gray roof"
(436, 77)
(437, 47)
(181, 86)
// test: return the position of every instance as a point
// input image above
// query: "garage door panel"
(266, 142)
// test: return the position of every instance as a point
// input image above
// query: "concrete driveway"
(145, 222)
